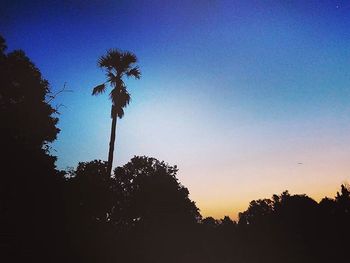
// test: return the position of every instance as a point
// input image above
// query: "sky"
(248, 98)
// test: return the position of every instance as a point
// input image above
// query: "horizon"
(248, 99)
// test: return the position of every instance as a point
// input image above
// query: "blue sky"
(234, 92)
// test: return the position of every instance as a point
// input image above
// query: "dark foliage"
(143, 205)
(153, 194)
(30, 185)
(142, 214)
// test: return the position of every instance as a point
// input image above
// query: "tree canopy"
(30, 184)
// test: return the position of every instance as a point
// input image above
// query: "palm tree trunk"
(111, 142)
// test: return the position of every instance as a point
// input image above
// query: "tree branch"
(54, 95)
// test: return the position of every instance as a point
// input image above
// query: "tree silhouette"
(153, 193)
(158, 210)
(130, 214)
(117, 64)
(90, 193)
(30, 186)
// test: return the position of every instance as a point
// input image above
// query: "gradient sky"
(236, 93)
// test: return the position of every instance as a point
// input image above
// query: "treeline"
(141, 213)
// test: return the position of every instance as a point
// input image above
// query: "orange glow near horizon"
(230, 199)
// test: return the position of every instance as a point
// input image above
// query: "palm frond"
(120, 98)
(126, 61)
(134, 72)
(118, 111)
(104, 62)
(110, 77)
(121, 62)
(99, 89)
(128, 57)
(111, 59)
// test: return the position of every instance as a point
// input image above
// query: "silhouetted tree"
(258, 211)
(139, 207)
(89, 199)
(117, 64)
(30, 185)
(343, 199)
(210, 222)
(90, 192)
(153, 193)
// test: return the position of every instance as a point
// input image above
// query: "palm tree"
(117, 65)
